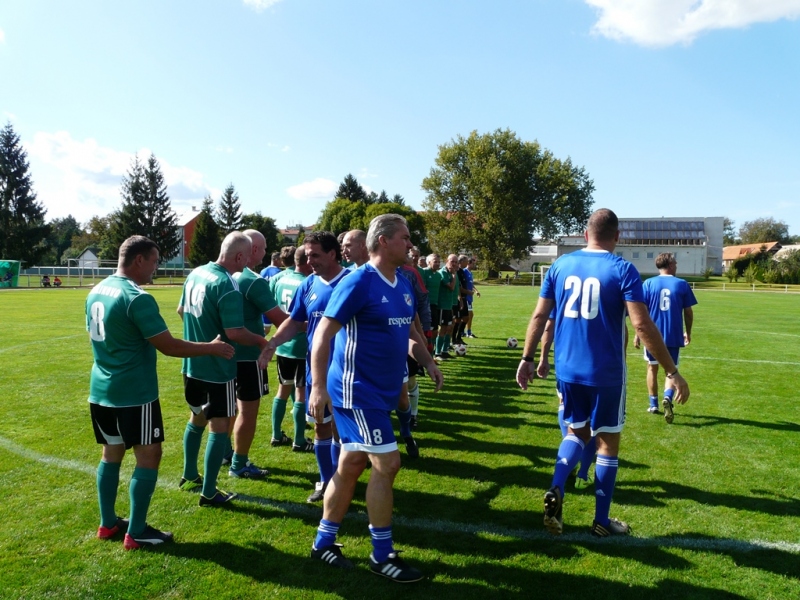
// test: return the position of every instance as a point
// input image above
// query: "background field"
(714, 499)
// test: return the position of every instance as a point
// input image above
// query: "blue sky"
(674, 107)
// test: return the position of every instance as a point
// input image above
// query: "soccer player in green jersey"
(252, 381)
(211, 305)
(291, 360)
(126, 329)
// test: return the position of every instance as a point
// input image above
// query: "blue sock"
(561, 422)
(381, 542)
(605, 476)
(336, 450)
(326, 534)
(587, 458)
(405, 421)
(322, 450)
(654, 401)
(669, 394)
(569, 453)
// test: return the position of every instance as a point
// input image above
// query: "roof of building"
(187, 217)
(734, 252)
(786, 250)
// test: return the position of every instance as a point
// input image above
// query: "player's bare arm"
(646, 330)
(318, 397)
(287, 330)
(543, 370)
(171, 346)
(536, 326)
(688, 320)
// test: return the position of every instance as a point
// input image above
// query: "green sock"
(446, 343)
(278, 412)
(437, 348)
(229, 446)
(238, 461)
(107, 484)
(143, 484)
(299, 416)
(192, 438)
(215, 450)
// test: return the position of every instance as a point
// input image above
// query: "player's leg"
(106, 431)
(607, 422)
(323, 440)
(285, 388)
(403, 413)
(413, 400)
(669, 388)
(197, 398)
(222, 404)
(652, 382)
(251, 384)
(385, 460)
(300, 443)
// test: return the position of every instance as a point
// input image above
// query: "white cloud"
(83, 179)
(667, 22)
(317, 189)
(259, 5)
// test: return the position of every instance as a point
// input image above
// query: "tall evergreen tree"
(229, 212)
(351, 190)
(22, 225)
(146, 210)
(206, 240)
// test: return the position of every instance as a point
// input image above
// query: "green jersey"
(433, 281)
(211, 304)
(283, 287)
(447, 298)
(256, 300)
(120, 318)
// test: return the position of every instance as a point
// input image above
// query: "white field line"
(445, 526)
(42, 341)
(729, 360)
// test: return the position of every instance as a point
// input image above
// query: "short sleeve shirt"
(120, 318)
(446, 295)
(369, 355)
(433, 281)
(666, 297)
(256, 300)
(309, 304)
(590, 289)
(211, 304)
(284, 287)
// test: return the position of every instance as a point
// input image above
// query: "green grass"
(713, 499)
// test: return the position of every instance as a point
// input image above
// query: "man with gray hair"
(211, 306)
(370, 313)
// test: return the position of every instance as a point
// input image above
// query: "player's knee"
(323, 431)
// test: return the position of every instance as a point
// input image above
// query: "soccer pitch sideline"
(713, 500)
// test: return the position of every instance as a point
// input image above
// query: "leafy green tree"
(341, 215)
(729, 233)
(229, 211)
(491, 194)
(62, 230)
(207, 237)
(23, 230)
(146, 210)
(732, 273)
(351, 190)
(398, 199)
(267, 227)
(751, 273)
(765, 230)
(416, 222)
(94, 234)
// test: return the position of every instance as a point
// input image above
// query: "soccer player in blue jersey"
(370, 313)
(591, 291)
(308, 305)
(268, 272)
(670, 302)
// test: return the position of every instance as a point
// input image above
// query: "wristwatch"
(527, 358)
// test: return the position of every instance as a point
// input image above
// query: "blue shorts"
(469, 302)
(327, 417)
(365, 430)
(603, 408)
(673, 352)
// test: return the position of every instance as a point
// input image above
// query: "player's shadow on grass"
(709, 421)
(655, 493)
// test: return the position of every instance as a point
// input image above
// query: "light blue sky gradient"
(671, 113)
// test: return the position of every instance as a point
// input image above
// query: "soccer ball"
(461, 350)
(511, 342)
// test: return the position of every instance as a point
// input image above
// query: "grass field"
(714, 499)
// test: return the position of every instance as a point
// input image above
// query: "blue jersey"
(269, 272)
(666, 297)
(309, 304)
(369, 354)
(590, 289)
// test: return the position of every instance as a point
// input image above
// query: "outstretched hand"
(222, 349)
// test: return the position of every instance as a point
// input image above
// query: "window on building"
(635, 255)
(651, 255)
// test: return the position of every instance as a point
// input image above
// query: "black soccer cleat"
(411, 447)
(149, 538)
(220, 498)
(553, 519)
(395, 568)
(319, 492)
(332, 555)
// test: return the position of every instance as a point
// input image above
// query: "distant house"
(186, 225)
(731, 253)
(293, 232)
(88, 259)
(780, 254)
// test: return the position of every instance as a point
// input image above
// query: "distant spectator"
(57, 281)
(45, 281)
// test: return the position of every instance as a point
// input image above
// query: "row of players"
(372, 312)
